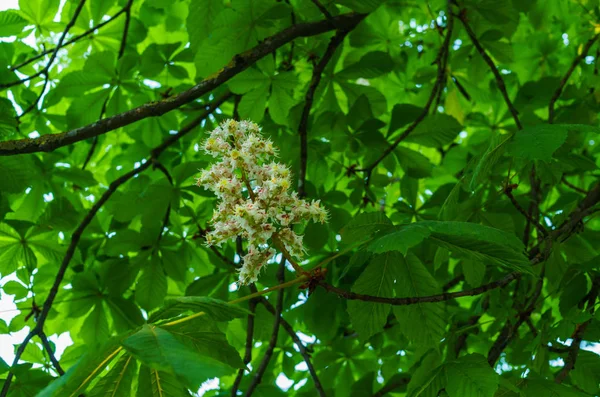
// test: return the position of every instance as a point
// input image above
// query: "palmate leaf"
(403, 238)
(11, 249)
(368, 318)
(215, 309)
(422, 323)
(364, 225)
(471, 376)
(205, 338)
(479, 242)
(118, 381)
(155, 383)
(79, 377)
(161, 350)
(11, 23)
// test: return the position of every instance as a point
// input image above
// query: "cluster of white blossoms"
(255, 201)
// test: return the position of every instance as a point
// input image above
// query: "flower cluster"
(255, 201)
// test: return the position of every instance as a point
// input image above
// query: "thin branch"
(125, 29)
(308, 101)
(46, 68)
(575, 347)
(249, 345)
(527, 216)
(394, 383)
(158, 165)
(423, 299)
(66, 43)
(18, 354)
(563, 82)
(569, 184)
(441, 60)
(76, 236)
(50, 352)
(92, 148)
(238, 64)
(260, 371)
(323, 10)
(34, 104)
(303, 351)
(492, 65)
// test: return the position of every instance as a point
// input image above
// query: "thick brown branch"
(492, 65)
(238, 64)
(422, 299)
(46, 68)
(441, 60)
(308, 101)
(563, 82)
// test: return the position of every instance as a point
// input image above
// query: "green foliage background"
(454, 143)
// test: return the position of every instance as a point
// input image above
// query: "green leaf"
(371, 65)
(480, 243)
(435, 131)
(541, 141)
(471, 376)
(403, 114)
(151, 287)
(11, 249)
(11, 23)
(543, 387)
(493, 153)
(364, 6)
(155, 383)
(118, 381)
(17, 173)
(204, 338)
(400, 238)
(216, 309)
(364, 225)
(161, 350)
(79, 377)
(422, 323)
(368, 318)
(414, 164)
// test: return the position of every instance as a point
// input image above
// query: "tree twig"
(323, 10)
(50, 352)
(441, 61)
(303, 351)
(422, 299)
(563, 81)
(249, 345)
(569, 184)
(527, 216)
(125, 29)
(238, 64)
(260, 371)
(46, 68)
(308, 101)
(66, 43)
(492, 66)
(575, 347)
(37, 99)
